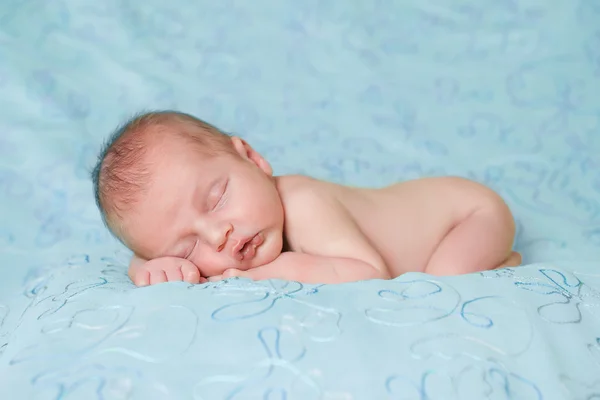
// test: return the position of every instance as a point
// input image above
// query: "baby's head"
(169, 184)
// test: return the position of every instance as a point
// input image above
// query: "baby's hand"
(165, 269)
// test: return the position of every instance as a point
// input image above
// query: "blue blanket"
(363, 93)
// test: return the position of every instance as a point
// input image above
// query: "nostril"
(224, 239)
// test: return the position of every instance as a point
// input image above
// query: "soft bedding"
(363, 93)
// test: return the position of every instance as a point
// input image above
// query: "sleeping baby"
(195, 204)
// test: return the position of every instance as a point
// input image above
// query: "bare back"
(404, 222)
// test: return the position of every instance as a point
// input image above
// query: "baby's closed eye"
(216, 197)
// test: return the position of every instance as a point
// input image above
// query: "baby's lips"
(238, 256)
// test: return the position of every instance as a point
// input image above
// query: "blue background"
(364, 93)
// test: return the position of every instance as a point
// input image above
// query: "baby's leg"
(482, 241)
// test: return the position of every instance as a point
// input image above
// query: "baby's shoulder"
(296, 190)
(308, 203)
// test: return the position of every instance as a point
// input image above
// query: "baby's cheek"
(270, 252)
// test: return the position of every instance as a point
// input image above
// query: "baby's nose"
(219, 235)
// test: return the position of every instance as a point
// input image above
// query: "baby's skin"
(209, 218)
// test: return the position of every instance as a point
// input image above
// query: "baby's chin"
(259, 262)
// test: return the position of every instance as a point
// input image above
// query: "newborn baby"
(194, 203)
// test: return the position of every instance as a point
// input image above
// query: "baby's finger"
(215, 278)
(202, 280)
(142, 278)
(158, 277)
(174, 274)
(190, 273)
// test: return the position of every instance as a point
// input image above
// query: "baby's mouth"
(248, 249)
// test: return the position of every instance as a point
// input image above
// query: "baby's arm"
(333, 249)
(164, 269)
(481, 241)
(309, 268)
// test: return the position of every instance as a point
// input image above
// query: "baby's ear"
(247, 152)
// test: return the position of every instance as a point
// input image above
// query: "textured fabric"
(357, 92)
